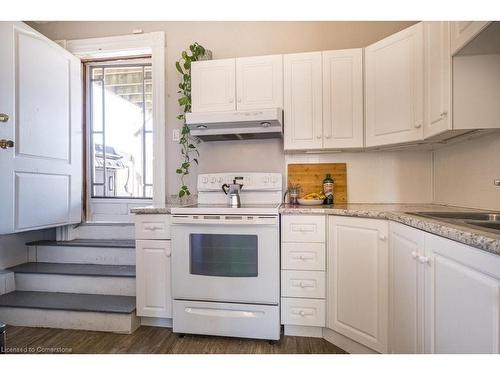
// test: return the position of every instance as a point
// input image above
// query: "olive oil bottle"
(328, 189)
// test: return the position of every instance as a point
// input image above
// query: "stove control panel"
(250, 181)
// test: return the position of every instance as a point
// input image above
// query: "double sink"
(488, 221)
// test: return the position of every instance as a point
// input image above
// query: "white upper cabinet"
(213, 86)
(394, 88)
(303, 101)
(358, 280)
(462, 32)
(462, 298)
(343, 98)
(437, 70)
(41, 93)
(259, 82)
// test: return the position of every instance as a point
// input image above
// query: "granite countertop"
(402, 213)
(152, 210)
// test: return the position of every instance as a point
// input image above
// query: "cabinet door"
(41, 106)
(343, 98)
(153, 281)
(213, 85)
(462, 298)
(259, 82)
(357, 294)
(406, 286)
(394, 88)
(303, 101)
(437, 70)
(462, 32)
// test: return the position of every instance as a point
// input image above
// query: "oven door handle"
(225, 220)
(224, 313)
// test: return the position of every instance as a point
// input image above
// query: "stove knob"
(219, 180)
(265, 179)
(212, 179)
(274, 179)
(204, 180)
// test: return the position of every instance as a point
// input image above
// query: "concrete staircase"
(78, 284)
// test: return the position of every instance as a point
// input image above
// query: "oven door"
(225, 258)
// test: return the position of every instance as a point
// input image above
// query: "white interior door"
(41, 92)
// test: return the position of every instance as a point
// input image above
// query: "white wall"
(381, 177)
(464, 173)
(13, 249)
(230, 39)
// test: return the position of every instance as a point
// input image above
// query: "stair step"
(69, 311)
(75, 269)
(69, 302)
(86, 243)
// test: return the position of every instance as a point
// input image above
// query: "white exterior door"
(358, 280)
(343, 98)
(406, 286)
(394, 88)
(462, 32)
(437, 75)
(303, 113)
(41, 92)
(153, 275)
(259, 82)
(462, 298)
(213, 86)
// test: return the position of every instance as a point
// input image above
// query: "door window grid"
(99, 148)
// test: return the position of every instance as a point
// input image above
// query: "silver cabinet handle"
(382, 237)
(423, 260)
(4, 117)
(418, 125)
(414, 254)
(443, 114)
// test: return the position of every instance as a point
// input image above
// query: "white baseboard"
(346, 343)
(303, 331)
(156, 322)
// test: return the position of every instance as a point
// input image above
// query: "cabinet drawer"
(306, 284)
(303, 312)
(152, 227)
(303, 228)
(303, 256)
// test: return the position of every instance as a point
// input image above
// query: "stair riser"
(90, 321)
(119, 286)
(82, 255)
(105, 232)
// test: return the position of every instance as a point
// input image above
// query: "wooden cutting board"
(310, 178)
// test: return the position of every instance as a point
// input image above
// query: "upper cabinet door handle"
(4, 117)
(418, 125)
(414, 254)
(382, 237)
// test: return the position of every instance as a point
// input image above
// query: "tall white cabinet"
(394, 88)
(437, 78)
(357, 292)
(303, 114)
(343, 98)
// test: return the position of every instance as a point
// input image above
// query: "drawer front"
(303, 284)
(152, 227)
(303, 256)
(303, 312)
(303, 228)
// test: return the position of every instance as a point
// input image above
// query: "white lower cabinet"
(357, 288)
(462, 298)
(445, 296)
(406, 278)
(153, 282)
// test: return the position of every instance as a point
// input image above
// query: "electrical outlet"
(176, 135)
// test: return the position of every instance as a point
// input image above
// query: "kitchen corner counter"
(402, 213)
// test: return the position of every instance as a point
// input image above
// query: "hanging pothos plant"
(188, 143)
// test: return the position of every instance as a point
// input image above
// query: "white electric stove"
(225, 260)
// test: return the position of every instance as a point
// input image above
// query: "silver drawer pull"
(152, 227)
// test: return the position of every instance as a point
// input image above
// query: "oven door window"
(225, 255)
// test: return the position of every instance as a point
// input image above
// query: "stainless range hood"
(236, 125)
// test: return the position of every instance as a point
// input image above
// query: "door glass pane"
(121, 118)
(226, 255)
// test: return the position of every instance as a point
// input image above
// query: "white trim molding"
(136, 45)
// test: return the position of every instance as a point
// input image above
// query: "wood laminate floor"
(154, 340)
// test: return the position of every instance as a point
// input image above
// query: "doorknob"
(4, 117)
(4, 143)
